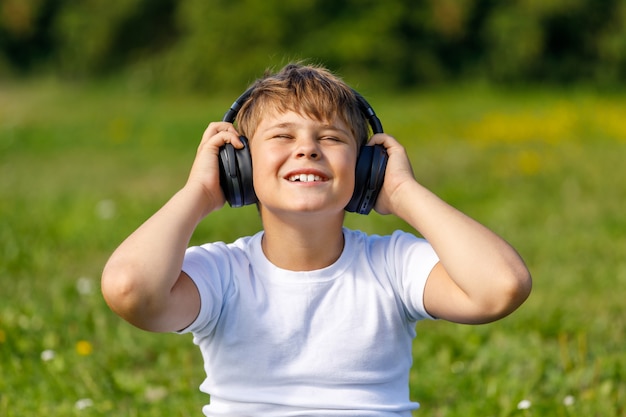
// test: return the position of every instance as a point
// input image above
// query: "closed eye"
(334, 139)
(282, 136)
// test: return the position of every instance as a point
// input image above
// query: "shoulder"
(397, 242)
(215, 264)
(222, 252)
(401, 253)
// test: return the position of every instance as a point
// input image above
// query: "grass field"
(81, 167)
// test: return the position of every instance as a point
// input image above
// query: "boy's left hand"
(398, 172)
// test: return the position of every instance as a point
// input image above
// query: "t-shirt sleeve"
(208, 268)
(413, 259)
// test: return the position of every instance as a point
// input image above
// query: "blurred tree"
(213, 44)
(557, 41)
(26, 38)
(611, 46)
(97, 36)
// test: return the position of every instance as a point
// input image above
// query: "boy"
(307, 317)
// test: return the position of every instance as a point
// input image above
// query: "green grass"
(81, 167)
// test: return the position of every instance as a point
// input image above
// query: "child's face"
(301, 164)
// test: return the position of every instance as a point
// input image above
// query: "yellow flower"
(529, 162)
(84, 348)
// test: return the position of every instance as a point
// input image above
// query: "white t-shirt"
(330, 342)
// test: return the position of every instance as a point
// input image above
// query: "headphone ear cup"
(229, 180)
(235, 167)
(244, 163)
(368, 180)
(361, 174)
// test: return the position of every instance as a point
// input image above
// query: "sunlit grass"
(80, 168)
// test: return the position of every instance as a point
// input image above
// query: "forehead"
(294, 121)
(298, 118)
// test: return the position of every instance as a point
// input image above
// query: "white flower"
(105, 209)
(83, 403)
(84, 286)
(457, 367)
(568, 400)
(524, 405)
(47, 355)
(154, 394)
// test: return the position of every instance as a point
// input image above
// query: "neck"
(302, 244)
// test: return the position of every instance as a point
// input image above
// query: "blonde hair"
(305, 89)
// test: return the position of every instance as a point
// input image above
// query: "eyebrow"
(283, 125)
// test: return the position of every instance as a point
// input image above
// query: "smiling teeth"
(305, 178)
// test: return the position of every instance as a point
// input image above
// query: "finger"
(220, 133)
(235, 141)
(382, 139)
(215, 128)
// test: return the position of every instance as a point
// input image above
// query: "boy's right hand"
(205, 169)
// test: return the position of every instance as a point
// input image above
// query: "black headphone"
(236, 165)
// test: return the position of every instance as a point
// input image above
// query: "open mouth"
(304, 178)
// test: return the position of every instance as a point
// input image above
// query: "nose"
(308, 148)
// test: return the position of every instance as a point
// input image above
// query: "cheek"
(347, 171)
(262, 160)
(349, 164)
(264, 167)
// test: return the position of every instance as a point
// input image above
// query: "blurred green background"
(219, 44)
(513, 112)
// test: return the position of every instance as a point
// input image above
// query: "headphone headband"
(231, 114)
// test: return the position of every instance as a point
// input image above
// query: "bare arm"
(480, 277)
(142, 280)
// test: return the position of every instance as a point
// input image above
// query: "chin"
(305, 207)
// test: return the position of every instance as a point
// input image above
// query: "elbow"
(116, 289)
(521, 286)
(122, 291)
(514, 289)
